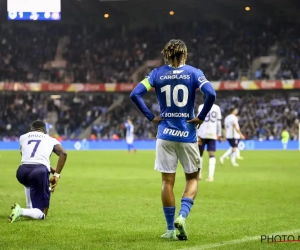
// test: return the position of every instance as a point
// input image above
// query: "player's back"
(36, 148)
(229, 123)
(175, 90)
(208, 129)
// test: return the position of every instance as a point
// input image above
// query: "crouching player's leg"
(189, 158)
(35, 177)
(28, 199)
(166, 163)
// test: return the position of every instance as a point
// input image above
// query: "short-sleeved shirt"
(208, 129)
(36, 148)
(229, 122)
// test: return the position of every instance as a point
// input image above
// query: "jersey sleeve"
(200, 109)
(200, 79)
(55, 141)
(136, 97)
(21, 139)
(148, 82)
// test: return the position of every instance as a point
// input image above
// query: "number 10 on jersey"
(175, 94)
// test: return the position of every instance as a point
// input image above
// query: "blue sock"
(169, 215)
(186, 205)
(128, 145)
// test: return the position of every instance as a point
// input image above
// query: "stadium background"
(93, 57)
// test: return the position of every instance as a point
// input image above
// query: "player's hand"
(53, 182)
(199, 141)
(196, 121)
(242, 137)
(157, 120)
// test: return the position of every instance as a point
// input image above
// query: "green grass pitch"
(111, 200)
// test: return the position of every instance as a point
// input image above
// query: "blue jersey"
(175, 90)
(129, 129)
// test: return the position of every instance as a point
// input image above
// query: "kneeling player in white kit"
(36, 148)
(233, 135)
(207, 135)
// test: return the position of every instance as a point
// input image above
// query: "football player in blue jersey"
(175, 85)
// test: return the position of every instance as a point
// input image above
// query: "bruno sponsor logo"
(174, 132)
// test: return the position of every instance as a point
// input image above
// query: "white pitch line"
(238, 241)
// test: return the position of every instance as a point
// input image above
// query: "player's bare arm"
(136, 97)
(238, 131)
(52, 170)
(219, 130)
(62, 154)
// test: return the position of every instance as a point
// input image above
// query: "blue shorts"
(209, 143)
(36, 177)
(233, 142)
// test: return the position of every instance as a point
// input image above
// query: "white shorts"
(168, 153)
(129, 139)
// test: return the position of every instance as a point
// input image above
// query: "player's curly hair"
(38, 125)
(174, 52)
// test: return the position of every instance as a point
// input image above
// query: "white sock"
(237, 152)
(227, 153)
(28, 199)
(211, 167)
(201, 162)
(233, 156)
(284, 145)
(33, 213)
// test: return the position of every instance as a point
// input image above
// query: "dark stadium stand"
(69, 114)
(77, 53)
